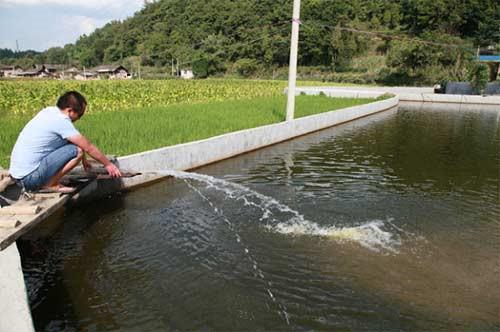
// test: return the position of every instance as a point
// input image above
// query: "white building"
(187, 74)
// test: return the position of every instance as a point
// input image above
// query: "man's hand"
(83, 143)
(113, 171)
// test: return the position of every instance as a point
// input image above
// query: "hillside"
(247, 36)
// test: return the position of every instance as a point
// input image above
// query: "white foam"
(375, 235)
(370, 235)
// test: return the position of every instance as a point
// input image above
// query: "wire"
(246, 43)
(386, 36)
(201, 43)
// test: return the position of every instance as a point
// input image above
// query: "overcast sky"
(41, 24)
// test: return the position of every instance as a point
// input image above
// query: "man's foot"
(58, 189)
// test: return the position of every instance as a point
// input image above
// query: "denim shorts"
(49, 166)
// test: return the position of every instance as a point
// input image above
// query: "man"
(50, 146)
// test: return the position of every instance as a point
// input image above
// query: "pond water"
(387, 223)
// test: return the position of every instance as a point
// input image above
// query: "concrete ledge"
(450, 107)
(450, 99)
(14, 309)
(195, 154)
(339, 93)
(424, 95)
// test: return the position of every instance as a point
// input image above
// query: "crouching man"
(50, 146)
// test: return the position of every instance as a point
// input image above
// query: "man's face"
(74, 115)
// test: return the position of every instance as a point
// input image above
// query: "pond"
(391, 223)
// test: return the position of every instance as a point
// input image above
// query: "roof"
(489, 58)
(72, 70)
(108, 68)
(10, 67)
(87, 73)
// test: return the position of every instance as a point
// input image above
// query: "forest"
(363, 41)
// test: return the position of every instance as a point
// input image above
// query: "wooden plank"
(49, 203)
(10, 223)
(17, 225)
(20, 209)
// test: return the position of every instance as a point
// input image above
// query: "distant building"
(52, 69)
(187, 74)
(59, 71)
(35, 72)
(69, 73)
(112, 72)
(10, 71)
(492, 60)
(86, 75)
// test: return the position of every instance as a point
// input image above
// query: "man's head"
(74, 103)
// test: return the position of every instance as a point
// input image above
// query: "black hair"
(73, 100)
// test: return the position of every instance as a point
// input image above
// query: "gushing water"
(370, 235)
(257, 271)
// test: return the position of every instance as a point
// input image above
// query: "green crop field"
(19, 97)
(120, 121)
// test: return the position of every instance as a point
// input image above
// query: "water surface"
(387, 223)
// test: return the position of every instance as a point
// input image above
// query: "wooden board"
(14, 226)
(48, 203)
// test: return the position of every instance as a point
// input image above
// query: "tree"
(409, 56)
(56, 55)
(478, 76)
(246, 67)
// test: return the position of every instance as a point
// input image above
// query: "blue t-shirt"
(45, 133)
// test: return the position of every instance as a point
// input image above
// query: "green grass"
(132, 131)
(18, 97)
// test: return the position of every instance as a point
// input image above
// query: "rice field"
(132, 116)
(18, 97)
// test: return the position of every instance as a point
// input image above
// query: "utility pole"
(172, 73)
(292, 73)
(17, 46)
(177, 68)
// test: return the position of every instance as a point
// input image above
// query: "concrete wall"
(14, 310)
(422, 95)
(199, 153)
(462, 107)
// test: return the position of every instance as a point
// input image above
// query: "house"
(10, 71)
(69, 73)
(187, 74)
(86, 75)
(492, 60)
(112, 72)
(35, 72)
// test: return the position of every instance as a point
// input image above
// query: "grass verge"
(136, 130)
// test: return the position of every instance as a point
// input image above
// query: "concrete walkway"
(15, 313)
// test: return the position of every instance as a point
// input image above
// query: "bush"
(200, 68)
(246, 67)
(478, 76)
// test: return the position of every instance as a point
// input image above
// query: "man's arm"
(83, 143)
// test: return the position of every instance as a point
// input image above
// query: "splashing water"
(370, 235)
(282, 311)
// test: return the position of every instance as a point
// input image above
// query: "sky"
(41, 24)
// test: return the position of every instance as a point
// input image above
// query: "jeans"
(49, 166)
